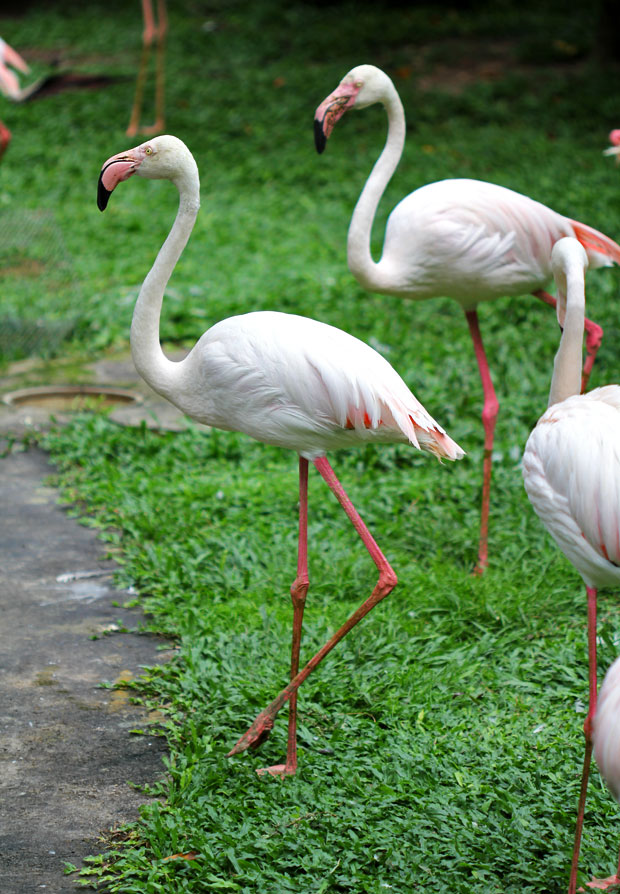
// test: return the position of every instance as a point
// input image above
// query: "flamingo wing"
(471, 240)
(302, 384)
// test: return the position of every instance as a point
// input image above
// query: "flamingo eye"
(358, 84)
(148, 151)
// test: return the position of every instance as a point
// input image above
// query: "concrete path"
(66, 751)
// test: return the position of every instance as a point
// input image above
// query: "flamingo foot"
(278, 770)
(151, 129)
(256, 735)
(146, 130)
(483, 561)
(603, 883)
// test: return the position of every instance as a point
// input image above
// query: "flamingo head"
(614, 149)
(363, 86)
(162, 158)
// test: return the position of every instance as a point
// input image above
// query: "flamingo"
(464, 239)
(9, 85)
(153, 31)
(282, 379)
(614, 149)
(571, 472)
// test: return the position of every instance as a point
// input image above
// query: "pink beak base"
(331, 111)
(115, 170)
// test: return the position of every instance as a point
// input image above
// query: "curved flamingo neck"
(566, 378)
(359, 258)
(149, 359)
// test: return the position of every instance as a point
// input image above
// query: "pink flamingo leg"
(587, 729)
(159, 72)
(263, 724)
(594, 338)
(151, 32)
(299, 590)
(599, 883)
(489, 417)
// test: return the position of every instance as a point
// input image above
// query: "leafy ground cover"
(441, 743)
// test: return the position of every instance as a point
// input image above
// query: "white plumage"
(301, 384)
(572, 476)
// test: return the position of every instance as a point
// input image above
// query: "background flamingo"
(614, 149)
(571, 471)
(9, 85)
(464, 239)
(154, 32)
(282, 379)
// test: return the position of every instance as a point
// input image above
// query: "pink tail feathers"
(423, 432)
(436, 441)
(446, 447)
(602, 251)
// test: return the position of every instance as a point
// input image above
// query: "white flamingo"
(282, 379)
(571, 471)
(463, 239)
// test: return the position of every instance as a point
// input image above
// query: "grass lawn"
(441, 742)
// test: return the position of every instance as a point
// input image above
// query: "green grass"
(441, 742)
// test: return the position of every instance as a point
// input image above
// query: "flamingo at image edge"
(606, 731)
(282, 379)
(571, 472)
(9, 85)
(463, 239)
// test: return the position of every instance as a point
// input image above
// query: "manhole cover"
(67, 398)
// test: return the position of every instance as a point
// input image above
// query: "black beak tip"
(103, 195)
(320, 140)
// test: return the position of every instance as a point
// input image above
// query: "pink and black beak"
(331, 110)
(115, 170)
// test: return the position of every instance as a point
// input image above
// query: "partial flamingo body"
(463, 239)
(571, 471)
(9, 84)
(282, 379)
(606, 731)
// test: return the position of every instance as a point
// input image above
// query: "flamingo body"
(297, 383)
(471, 241)
(282, 379)
(571, 469)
